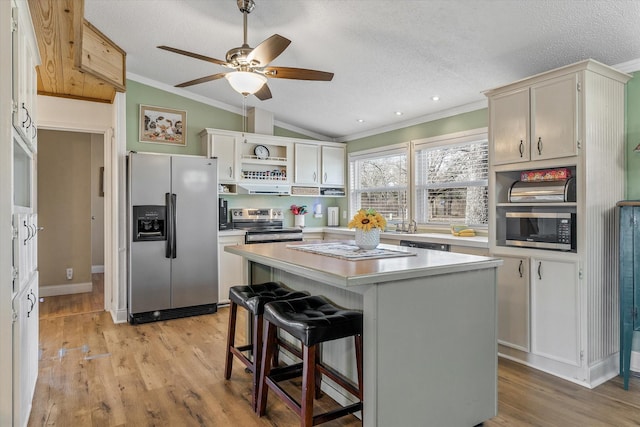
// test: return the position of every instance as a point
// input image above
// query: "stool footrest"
(337, 413)
(339, 379)
(285, 372)
(244, 359)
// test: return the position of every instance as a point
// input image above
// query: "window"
(379, 180)
(448, 184)
(451, 179)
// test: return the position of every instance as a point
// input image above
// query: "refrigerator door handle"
(170, 224)
(174, 237)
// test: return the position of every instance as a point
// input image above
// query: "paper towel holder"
(333, 216)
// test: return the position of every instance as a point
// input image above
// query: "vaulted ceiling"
(388, 56)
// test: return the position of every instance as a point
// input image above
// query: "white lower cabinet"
(231, 269)
(513, 303)
(25, 350)
(555, 314)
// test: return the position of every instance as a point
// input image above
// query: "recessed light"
(360, 120)
(435, 98)
(398, 113)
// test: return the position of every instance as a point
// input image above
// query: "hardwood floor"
(95, 373)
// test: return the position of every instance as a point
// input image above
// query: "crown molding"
(629, 66)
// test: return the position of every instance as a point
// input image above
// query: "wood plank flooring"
(95, 373)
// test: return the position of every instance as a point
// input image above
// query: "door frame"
(113, 131)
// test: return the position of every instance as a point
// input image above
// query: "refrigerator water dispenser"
(149, 223)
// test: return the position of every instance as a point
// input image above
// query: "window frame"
(447, 140)
(410, 149)
(403, 148)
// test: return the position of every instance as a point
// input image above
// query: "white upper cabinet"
(510, 127)
(535, 122)
(307, 162)
(554, 118)
(224, 148)
(333, 161)
(25, 57)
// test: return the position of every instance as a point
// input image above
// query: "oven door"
(272, 236)
(541, 230)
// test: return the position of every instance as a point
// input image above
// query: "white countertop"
(344, 273)
(443, 238)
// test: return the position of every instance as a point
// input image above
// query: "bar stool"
(253, 298)
(313, 320)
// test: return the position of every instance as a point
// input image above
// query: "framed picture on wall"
(163, 125)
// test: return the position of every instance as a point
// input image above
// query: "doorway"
(70, 188)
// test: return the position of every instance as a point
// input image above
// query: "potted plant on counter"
(368, 224)
(298, 215)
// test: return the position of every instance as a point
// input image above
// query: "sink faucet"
(413, 227)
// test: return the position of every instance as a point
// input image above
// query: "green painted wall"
(200, 116)
(466, 121)
(633, 138)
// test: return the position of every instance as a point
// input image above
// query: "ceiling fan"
(250, 65)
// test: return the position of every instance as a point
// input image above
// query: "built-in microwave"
(542, 230)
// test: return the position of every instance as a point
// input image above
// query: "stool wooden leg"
(231, 337)
(308, 384)
(358, 342)
(257, 356)
(269, 345)
(318, 384)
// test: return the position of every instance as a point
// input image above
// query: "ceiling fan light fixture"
(246, 82)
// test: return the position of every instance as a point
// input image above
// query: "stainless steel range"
(264, 225)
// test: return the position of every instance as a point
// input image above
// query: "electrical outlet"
(69, 273)
(344, 214)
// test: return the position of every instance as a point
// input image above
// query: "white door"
(224, 148)
(554, 118)
(513, 303)
(306, 160)
(555, 310)
(333, 160)
(510, 127)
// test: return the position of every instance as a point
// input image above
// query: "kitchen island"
(430, 352)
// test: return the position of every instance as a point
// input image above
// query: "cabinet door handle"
(540, 146)
(230, 172)
(325, 177)
(540, 270)
(315, 176)
(520, 268)
(521, 148)
(27, 119)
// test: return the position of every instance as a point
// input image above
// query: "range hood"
(265, 189)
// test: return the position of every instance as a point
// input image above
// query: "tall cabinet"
(18, 146)
(558, 311)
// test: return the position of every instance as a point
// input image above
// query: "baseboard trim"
(97, 269)
(67, 289)
(119, 316)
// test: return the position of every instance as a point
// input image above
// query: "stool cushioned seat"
(254, 297)
(314, 319)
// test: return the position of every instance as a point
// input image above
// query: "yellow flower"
(367, 219)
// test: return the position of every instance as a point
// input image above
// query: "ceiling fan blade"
(297, 73)
(202, 80)
(264, 93)
(268, 50)
(194, 55)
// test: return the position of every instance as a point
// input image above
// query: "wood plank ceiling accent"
(59, 26)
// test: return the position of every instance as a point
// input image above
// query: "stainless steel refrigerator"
(173, 236)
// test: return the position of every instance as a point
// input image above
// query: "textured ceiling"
(387, 55)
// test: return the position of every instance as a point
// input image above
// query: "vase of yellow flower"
(368, 224)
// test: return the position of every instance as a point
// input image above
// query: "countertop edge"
(368, 279)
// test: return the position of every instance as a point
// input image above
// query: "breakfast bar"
(430, 352)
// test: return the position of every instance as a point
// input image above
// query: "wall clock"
(261, 151)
